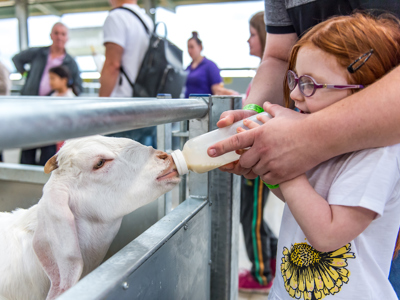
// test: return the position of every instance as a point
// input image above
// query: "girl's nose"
(296, 95)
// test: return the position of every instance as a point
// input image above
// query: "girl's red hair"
(349, 37)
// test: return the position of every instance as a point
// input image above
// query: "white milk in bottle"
(194, 155)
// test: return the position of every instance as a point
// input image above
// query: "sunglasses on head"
(308, 85)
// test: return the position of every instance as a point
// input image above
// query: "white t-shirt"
(359, 270)
(124, 29)
(68, 93)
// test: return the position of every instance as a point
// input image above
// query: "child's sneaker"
(248, 284)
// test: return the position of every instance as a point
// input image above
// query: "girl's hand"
(251, 124)
(233, 167)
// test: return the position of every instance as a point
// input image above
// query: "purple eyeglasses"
(308, 85)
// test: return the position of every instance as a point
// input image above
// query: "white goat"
(47, 248)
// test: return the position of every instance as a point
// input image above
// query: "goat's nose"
(162, 155)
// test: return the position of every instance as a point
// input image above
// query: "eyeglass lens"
(306, 85)
(291, 80)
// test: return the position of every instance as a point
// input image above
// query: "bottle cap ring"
(180, 162)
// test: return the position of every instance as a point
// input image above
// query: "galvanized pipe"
(33, 121)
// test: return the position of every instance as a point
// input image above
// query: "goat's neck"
(94, 239)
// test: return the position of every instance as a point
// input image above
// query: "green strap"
(253, 231)
(255, 107)
(271, 186)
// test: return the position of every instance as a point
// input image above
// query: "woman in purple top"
(203, 74)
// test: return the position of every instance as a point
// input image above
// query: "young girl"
(61, 86)
(341, 218)
(61, 82)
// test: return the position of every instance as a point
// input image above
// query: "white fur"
(47, 248)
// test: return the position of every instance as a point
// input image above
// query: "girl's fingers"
(240, 151)
(263, 118)
(250, 124)
(240, 129)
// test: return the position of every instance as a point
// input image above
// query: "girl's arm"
(327, 227)
(278, 193)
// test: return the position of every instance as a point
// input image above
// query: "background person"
(259, 239)
(5, 87)
(61, 86)
(41, 59)
(126, 42)
(61, 83)
(203, 74)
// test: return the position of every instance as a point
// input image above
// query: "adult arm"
(24, 57)
(292, 143)
(219, 89)
(111, 69)
(327, 227)
(267, 84)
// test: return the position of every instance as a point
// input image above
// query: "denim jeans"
(394, 275)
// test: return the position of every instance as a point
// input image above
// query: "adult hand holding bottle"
(274, 147)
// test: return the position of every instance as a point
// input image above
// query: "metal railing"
(192, 252)
(33, 121)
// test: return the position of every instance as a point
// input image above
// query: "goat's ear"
(55, 241)
(51, 164)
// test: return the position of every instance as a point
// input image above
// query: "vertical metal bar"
(224, 191)
(168, 149)
(160, 146)
(21, 12)
(182, 185)
(164, 143)
(236, 190)
(150, 7)
(198, 182)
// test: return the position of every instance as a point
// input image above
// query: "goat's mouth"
(168, 173)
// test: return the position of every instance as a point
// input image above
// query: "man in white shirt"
(126, 42)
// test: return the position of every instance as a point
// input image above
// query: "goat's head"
(94, 180)
(110, 177)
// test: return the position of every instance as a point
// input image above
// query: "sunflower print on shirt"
(310, 274)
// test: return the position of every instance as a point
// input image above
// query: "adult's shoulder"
(31, 53)
(209, 62)
(121, 13)
(69, 59)
(276, 17)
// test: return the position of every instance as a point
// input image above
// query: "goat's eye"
(99, 164)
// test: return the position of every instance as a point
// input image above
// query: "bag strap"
(147, 31)
(140, 19)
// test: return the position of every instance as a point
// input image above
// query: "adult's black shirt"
(289, 16)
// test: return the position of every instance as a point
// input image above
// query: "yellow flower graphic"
(310, 274)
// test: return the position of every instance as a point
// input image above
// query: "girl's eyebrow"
(313, 75)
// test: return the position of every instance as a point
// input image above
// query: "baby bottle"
(194, 155)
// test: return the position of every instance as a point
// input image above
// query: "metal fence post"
(164, 143)
(224, 191)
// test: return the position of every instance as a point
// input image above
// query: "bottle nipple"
(180, 162)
